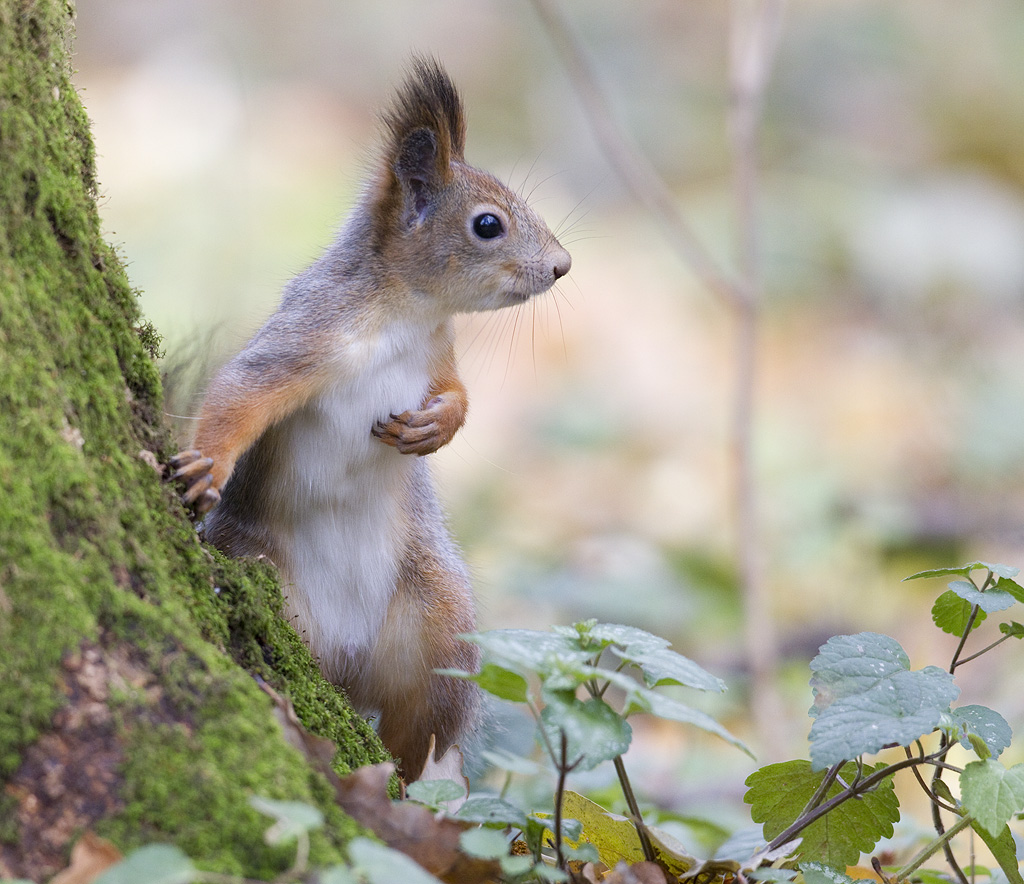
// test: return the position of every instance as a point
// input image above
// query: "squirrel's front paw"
(194, 470)
(424, 431)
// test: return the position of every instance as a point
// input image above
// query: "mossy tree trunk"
(127, 651)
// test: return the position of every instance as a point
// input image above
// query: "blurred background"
(593, 478)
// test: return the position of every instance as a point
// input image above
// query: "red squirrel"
(309, 440)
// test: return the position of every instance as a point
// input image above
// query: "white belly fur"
(336, 502)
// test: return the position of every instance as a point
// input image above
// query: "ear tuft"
(425, 130)
(429, 100)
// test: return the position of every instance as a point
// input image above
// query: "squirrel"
(309, 444)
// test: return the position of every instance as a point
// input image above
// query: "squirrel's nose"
(563, 263)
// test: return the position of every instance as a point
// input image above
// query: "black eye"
(487, 226)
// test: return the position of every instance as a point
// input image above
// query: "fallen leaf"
(90, 856)
(431, 841)
(448, 767)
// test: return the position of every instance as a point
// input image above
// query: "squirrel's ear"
(419, 172)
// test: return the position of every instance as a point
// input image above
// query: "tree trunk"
(128, 703)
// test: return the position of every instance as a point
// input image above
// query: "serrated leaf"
(627, 637)
(1013, 628)
(526, 650)
(434, 793)
(655, 703)
(484, 843)
(663, 666)
(984, 723)
(951, 613)
(962, 571)
(990, 601)
(154, 864)
(1007, 571)
(778, 794)
(991, 793)
(866, 697)
(1004, 849)
(1005, 584)
(593, 730)
(382, 865)
(900, 709)
(491, 811)
(820, 873)
(850, 665)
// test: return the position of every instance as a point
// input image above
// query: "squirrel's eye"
(487, 226)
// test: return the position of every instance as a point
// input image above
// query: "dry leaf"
(448, 767)
(411, 828)
(90, 856)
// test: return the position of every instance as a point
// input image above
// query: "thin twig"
(865, 785)
(753, 39)
(629, 163)
(753, 52)
(634, 809)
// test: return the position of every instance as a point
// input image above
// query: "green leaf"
(985, 723)
(1004, 849)
(494, 679)
(337, 875)
(778, 794)
(491, 811)
(1005, 584)
(434, 793)
(508, 761)
(952, 613)
(772, 875)
(990, 601)
(594, 731)
(154, 864)
(848, 665)
(663, 666)
(820, 873)
(526, 650)
(636, 641)
(1013, 628)
(292, 818)
(484, 843)
(1006, 571)
(382, 865)
(866, 697)
(672, 710)
(991, 793)
(516, 866)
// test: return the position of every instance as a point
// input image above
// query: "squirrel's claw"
(421, 432)
(194, 470)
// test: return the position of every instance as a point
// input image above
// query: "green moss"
(93, 548)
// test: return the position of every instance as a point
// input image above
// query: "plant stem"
(984, 650)
(563, 770)
(634, 810)
(823, 787)
(932, 796)
(963, 639)
(931, 847)
(865, 785)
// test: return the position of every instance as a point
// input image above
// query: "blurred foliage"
(593, 477)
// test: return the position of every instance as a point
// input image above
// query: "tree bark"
(129, 654)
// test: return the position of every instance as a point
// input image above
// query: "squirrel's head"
(450, 231)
